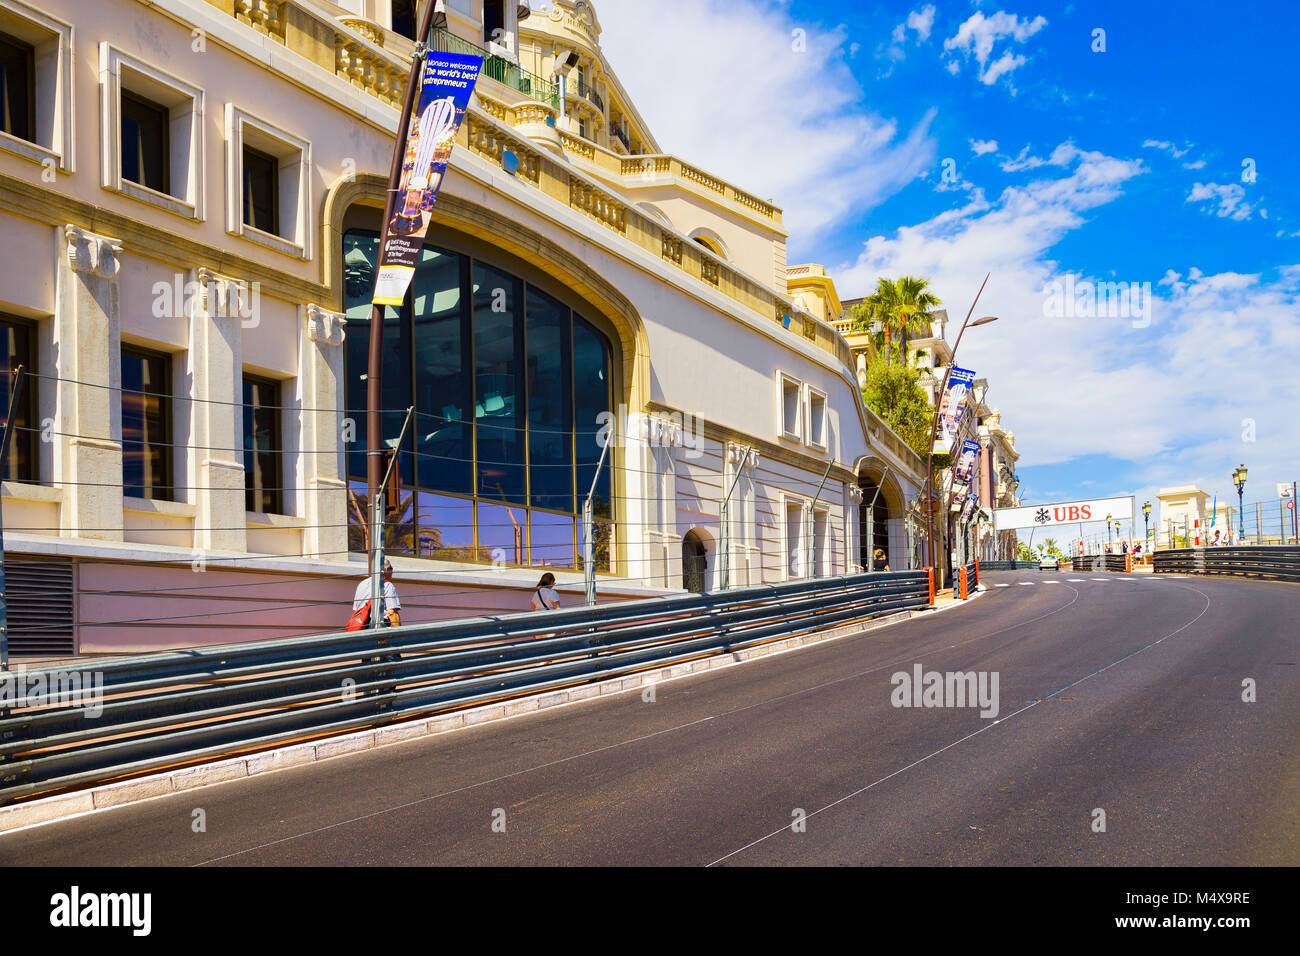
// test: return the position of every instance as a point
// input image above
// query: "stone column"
(87, 342)
(321, 393)
(215, 363)
(853, 527)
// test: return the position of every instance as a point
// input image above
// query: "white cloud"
(1199, 164)
(978, 35)
(1230, 199)
(1167, 146)
(794, 130)
(1170, 397)
(981, 146)
(921, 21)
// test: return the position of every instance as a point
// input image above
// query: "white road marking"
(1076, 580)
(1101, 579)
(1053, 581)
(1002, 585)
(1026, 584)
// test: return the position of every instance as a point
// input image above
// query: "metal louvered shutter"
(39, 598)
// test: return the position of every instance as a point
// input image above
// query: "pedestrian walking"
(391, 616)
(545, 597)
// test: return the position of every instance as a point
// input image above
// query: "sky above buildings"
(1146, 146)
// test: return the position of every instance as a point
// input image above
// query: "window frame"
(292, 154)
(29, 55)
(274, 162)
(53, 128)
(164, 131)
(785, 381)
(276, 492)
(166, 427)
(28, 409)
(119, 73)
(812, 394)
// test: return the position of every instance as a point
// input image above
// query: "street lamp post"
(934, 424)
(1146, 525)
(1108, 517)
(1239, 479)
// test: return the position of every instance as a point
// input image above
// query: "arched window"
(509, 386)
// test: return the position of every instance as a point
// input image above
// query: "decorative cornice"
(325, 326)
(92, 254)
(217, 295)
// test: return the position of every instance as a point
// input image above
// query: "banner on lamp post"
(962, 473)
(952, 408)
(445, 88)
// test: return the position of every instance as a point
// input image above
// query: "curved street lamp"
(1239, 479)
(934, 424)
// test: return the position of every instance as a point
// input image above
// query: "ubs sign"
(1065, 512)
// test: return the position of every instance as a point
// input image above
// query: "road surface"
(1120, 704)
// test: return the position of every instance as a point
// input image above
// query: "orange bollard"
(1128, 562)
(977, 570)
(961, 582)
(931, 572)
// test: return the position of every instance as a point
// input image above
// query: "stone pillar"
(853, 528)
(87, 341)
(321, 394)
(215, 363)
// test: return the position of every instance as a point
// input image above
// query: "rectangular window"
(262, 453)
(16, 348)
(146, 425)
(816, 418)
(790, 407)
(499, 389)
(794, 543)
(17, 88)
(550, 411)
(145, 149)
(261, 191)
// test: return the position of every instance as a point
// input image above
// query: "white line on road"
(1076, 580)
(1025, 584)
(1053, 581)
(1002, 585)
(1101, 579)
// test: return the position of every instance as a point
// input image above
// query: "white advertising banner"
(1065, 512)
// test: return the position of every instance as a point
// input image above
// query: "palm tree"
(900, 306)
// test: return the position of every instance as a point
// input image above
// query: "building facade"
(191, 194)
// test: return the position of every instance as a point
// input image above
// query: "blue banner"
(448, 82)
(952, 409)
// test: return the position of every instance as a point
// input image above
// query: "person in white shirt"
(545, 597)
(392, 605)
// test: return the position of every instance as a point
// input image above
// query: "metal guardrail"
(1008, 565)
(1100, 562)
(1266, 561)
(187, 707)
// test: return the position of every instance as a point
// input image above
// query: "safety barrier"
(1121, 563)
(1009, 565)
(1272, 562)
(119, 717)
(967, 577)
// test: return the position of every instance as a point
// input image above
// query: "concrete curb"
(106, 796)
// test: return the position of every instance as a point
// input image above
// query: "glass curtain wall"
(507, 383)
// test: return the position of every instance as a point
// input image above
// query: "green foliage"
(899, 306)
(892, 392)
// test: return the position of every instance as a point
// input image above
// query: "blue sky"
(947, 139)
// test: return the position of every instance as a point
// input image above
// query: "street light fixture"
(1239, 479)
(1108, 517)
(1146, 524)
(934, 423)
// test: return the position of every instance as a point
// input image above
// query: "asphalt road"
(1116, 693)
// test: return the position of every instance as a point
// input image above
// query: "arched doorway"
(876, 536)
(695, 563)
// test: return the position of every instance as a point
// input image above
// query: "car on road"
(1049, 561)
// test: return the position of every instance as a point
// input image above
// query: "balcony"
(622, 137)
(585, 90)
(500, 69)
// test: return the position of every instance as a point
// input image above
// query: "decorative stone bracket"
(92, 254)
(324, 326)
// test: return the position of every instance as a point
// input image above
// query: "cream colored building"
(187, 219)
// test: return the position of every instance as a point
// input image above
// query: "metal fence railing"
(1102, 562)
(1276, 563)
(187, 707)
(1008, 565)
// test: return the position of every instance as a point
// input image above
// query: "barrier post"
(977, 572)
(1128, 562)
(961, 582)
(930, 571)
